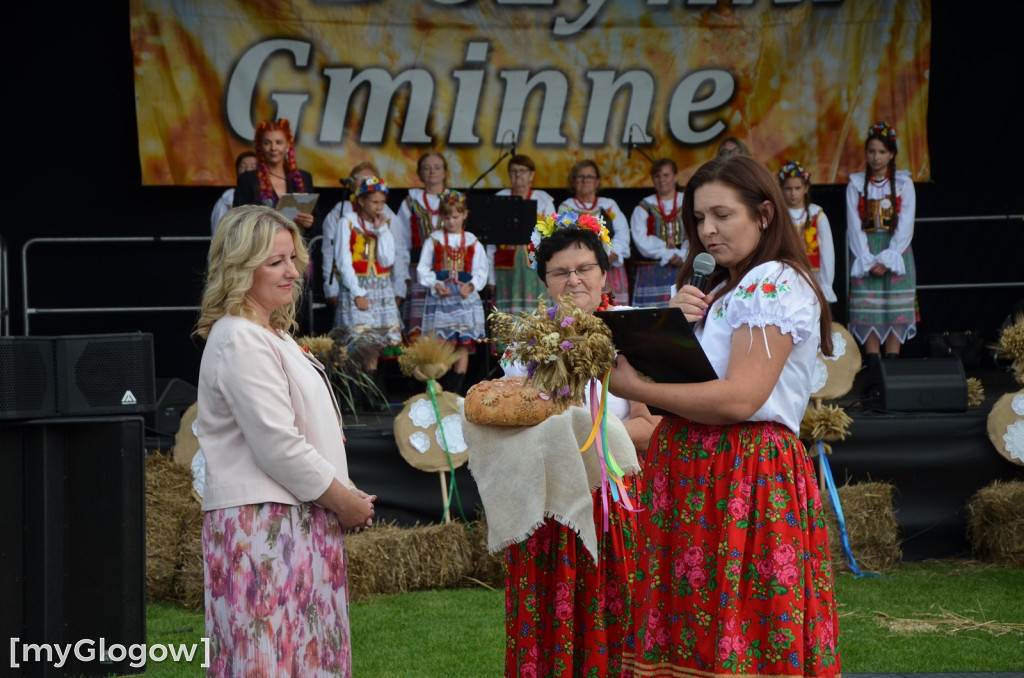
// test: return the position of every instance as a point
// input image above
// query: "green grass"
(975, 612)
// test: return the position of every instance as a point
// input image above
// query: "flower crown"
(882, 130)
(793, 168)
(369, 185)
(452, 197)
(547, 225)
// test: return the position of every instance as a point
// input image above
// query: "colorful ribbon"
(833, 494)
(454, 492)
(611, 473)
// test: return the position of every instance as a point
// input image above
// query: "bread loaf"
(507, 402)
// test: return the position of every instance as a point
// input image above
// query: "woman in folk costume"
(364, 252)
(418, 217)
(453, 268)
(584, 184)
(883, 278)
(513, 285)
(656, 228)
(812, 224)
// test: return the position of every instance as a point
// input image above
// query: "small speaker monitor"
(103, 374)
(923, 385)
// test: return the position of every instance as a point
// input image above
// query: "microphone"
(513, 143)
(703, 265)
(629, 153)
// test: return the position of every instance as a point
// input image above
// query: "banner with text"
(617, 81)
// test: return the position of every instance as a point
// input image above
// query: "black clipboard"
(501, 219)
(660, 343)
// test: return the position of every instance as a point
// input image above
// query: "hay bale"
(188, 586)
(488, 568)
(169, 507)
(389, 559)
(870, 525)
(995, 524)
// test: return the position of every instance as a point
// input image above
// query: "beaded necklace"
(455, 255)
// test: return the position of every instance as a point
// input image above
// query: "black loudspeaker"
(27, 378)
(100, 374)
(176, 396)
(922, 385)
(73, 541)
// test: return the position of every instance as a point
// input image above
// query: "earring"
(764, 225)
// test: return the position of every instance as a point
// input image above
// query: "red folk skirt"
(564, 615)
(734, 575)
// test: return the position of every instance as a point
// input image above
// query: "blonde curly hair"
(243, 241)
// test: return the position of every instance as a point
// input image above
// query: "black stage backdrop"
(73, 170)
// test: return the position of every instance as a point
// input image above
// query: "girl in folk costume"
(453, 267)
(584, 183)
(364, 252)
(811, 223)
(512, 284)
(657, 231)
(883, 278)
(332, 223)
(418, 217)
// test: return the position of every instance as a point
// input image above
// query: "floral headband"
(369, 185)
(882, 130)
(793, 168)
(452, 197)
(547, 225)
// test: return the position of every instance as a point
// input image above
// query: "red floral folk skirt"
(734, 575)
(564, 615)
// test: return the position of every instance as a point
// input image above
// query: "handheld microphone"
(629, 153)
(703, 265)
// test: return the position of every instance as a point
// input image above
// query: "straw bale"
(488, 568)
(389, 559)
(870, 525)
(169, 509)
(995, 523)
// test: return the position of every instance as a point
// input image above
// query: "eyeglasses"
(585, 177)
(518, 172)
(562, 274)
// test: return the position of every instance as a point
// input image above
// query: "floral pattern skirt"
(380, 324)
(734, 575)
(564, 615)
(276, 592)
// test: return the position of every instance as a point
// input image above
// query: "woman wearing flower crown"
(811, 223)
(883, 278)
(566, 614)
(584, 184)
(734, 573)
(656, 228)
(276, 172)
(418, 217)
(453, 268)
(512, 285)
(365, 251)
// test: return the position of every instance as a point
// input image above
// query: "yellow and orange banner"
(386, 80)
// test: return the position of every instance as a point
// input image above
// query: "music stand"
(501, 219)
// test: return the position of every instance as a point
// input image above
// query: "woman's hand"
(465, 289)
(441, 289)
(692, 302)
(624, 379)
(362, 303)
(370, 498)
(675, 260)
(878, 270)
(612, 257)
(304, 220)
(353, 507)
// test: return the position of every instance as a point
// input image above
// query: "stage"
(937, 461)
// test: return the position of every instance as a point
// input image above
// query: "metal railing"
(28, 310)
(1009, 218)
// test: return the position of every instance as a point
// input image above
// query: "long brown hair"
(754, 185)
